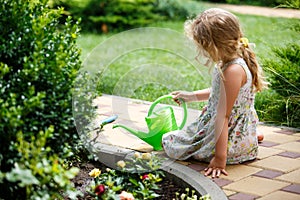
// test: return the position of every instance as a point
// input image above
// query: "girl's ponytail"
(258, 80)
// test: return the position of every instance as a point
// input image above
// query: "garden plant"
(135, 178)
(39, 62)
(283, 71)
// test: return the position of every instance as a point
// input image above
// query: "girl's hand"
(183, 95)
(216, 167)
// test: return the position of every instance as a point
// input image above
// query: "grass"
(265, 32)
(149, 73)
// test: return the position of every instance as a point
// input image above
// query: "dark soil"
(82, 180)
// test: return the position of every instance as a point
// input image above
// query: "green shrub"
(39, 172)
(38, 65)
(284, 76)
(269, 3)
(294, 4)
(118, 15)
(281, 103)
(270, 107)
(172, 9)
(110, 15)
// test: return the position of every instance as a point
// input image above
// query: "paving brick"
(268, 144)
(290, 154)
(280, 138)
(221, 182)
(243, 196)
(121, 138)
(278, 163)
(264, 152)
(267, 130)
(229, 192)
(256, 186)
(297, 134)
(104, 111)
(270, 174)
(285, 131)
(294, 188)
(196, 167)
(137, 117)
(291, 146)
(293, 177)
(237, 172)
(280, 195)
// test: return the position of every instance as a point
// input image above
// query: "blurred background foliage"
(268, 3)
(116, 15)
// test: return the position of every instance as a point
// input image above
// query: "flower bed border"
(110, 155)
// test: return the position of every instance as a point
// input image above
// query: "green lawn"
(263, 31)
(130, 75)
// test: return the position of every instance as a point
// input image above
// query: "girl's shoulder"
(239, 61)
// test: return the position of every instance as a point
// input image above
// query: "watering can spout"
(153, 140)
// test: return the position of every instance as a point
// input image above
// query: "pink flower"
(145, 176)
(99, 190)
(126, 196)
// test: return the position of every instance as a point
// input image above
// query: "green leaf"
(23, 176)
(133, 181)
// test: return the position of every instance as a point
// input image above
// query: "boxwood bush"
(39, 60)
(118, 15)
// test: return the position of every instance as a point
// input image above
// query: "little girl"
(225, 132)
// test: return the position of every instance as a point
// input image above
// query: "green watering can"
(159, 122)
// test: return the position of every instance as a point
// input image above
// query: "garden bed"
(168, 187)
(176, 174)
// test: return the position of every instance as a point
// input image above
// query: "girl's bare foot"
(260, 137)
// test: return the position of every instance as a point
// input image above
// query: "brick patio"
(275, 174)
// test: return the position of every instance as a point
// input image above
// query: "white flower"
(126, 196)
(137, 155)
(146, 156)
(182, 196)
(121, 163)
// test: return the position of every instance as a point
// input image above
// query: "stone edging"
(109, 155)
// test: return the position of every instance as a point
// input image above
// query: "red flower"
(99, 190)
(146, 176)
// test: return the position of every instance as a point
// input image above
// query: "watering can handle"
(169, 97)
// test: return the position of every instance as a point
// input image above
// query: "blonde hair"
(217, 33)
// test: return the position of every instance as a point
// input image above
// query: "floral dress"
(198, 139)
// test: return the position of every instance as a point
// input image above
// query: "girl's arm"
(234, 78)
(200, 95)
